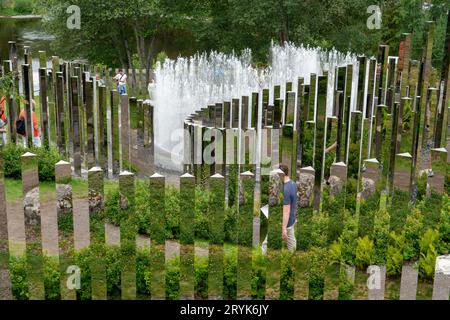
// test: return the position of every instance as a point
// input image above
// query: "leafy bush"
(346, 286)
(51, 279)
(18, 273)
(230, 274)
(231, 224)
(381, 236)
(412, 231)
(444, 226)
(319, 226)
(112, 209)
(173, 277)
(201, 278)
(46, 161)
(335, 253)
(23, 6)
(287, 276)
(365, 252)
(258, 275)
(12, 163)
(394, 256)
(428, 253)
(317, 267)
(348, 238)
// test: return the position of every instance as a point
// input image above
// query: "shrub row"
(115, 264)
(46, 161)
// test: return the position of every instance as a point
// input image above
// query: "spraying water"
(189, 84)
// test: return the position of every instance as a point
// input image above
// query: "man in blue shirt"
(289, 210)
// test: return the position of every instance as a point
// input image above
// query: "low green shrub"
(444, 226)
(319, 232)
(428, 253)
(394, 256)
(318, 262)
(258, 275)
(348, 238)
(365, 252)
(46, 161)
(381, 236)
(412, 232)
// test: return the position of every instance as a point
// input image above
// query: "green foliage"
(317, 268)
(18, 274)
(46, 161)
(335, 253)
(348, 238)
(112, 210)
(381, 236)
(258, 275)
(428, 252)
(201, 278)
(51, 279)
(412, 232)
(334, 207)
(368, 209)
(304, 228)
(319, 225)
(287, 276)
(346, 286)
(231, 224)
(365, 252)
(160, 57)
(400, 207)
(444, 226)
(173, 276)
(394, 256)
(230, 274)
(23, 6)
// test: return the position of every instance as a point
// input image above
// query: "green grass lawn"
(48, 189)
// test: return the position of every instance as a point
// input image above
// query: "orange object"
(35, 124)
(2, 107)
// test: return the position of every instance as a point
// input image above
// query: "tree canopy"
(132, 32)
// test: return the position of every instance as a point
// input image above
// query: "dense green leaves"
(117, 32)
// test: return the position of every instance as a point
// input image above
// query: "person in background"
(121, 79)
(22, 118)
(289, 210)
(99, 80)
(3, 120)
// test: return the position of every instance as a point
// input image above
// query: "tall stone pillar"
(128, 233)
(27, 89)
(76, 126)
(216, 210)
(245, 235)
(157, 236)
(31, 206)
(61, 127)
(274, 240)
(96, 197)
(442, 132)
(187, 236)
(44, 110)
(320, 139)
(115, 145)
(125, 132)
(89, 113)
(102, 129)
(5, 280)
(64, 209)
